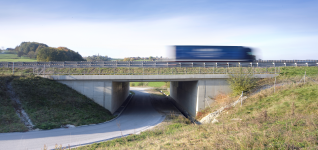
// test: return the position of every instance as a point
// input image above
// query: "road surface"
(142, 113)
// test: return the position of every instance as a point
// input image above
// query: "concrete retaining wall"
(108, 94)
(208, 90)
(185, 94)
(194, 96)
(120, 91)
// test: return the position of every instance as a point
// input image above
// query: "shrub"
(241, 81)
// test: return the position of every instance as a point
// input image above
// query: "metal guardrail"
(157, 64)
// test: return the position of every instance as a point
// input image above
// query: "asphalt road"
(143, 112)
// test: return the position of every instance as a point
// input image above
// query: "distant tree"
(126, 59)
(150, 58)
(58, 54)
(20, 54)
(32, 55)
(26, 47)
(97, 58)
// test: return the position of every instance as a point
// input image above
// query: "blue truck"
(213, 53)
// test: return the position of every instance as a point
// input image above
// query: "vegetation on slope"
(50, 104)
(287, 119)
(9, 120)
(299, 71)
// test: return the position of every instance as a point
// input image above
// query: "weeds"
(241, 81)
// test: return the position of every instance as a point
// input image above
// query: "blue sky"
(122, 28)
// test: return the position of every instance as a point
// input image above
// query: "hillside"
(48, 103)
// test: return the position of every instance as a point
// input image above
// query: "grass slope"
(299, 71)
(51, 104)
(287, 119)
(9, 120)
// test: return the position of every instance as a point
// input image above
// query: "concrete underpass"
(191, 92)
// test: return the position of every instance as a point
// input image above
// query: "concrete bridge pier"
(108, 94)
(194, 96)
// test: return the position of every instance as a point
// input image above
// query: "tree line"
(43, 52)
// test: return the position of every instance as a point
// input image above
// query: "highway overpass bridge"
(192, 92)
(157, 64)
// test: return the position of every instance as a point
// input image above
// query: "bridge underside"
(108, 94)
(192, 92)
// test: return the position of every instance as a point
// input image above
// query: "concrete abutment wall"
(108, 94)
(194, 96)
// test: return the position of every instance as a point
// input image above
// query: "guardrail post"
(204, 65)
(257, 65)
(216, 64)
(44, 70)
(296, 64)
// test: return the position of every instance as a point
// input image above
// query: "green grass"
(9, 56)
(50, 104)
(9, 120)
(14, 58)
(17, 60)
(148, 84)
(299, 71)
(156, 84)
